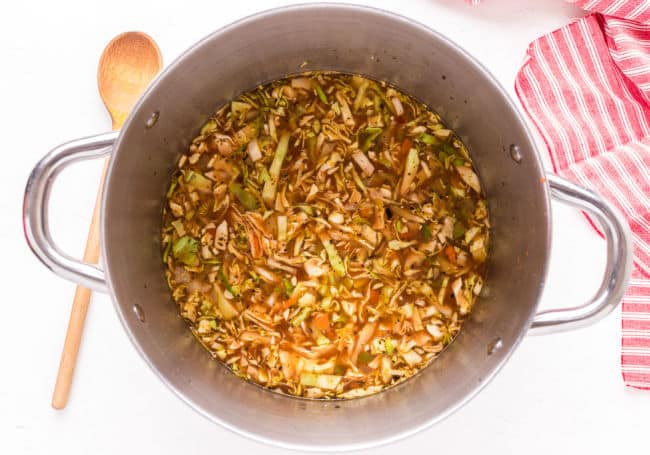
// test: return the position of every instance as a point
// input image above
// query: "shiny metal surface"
(351, 39)
(268, 46)
(619, 261)
(35, 209)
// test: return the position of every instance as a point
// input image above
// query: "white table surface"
(557, 393)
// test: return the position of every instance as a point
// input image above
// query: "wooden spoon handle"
(78, 312)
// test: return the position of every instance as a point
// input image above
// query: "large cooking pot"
(352, 39)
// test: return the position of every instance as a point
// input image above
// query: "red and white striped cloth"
(586, 87)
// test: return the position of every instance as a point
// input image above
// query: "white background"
(557, 394)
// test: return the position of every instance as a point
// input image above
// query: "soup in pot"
(325, 235)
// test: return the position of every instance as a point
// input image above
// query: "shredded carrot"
(406, 146)
(374, 297)
(279, 307)
(322, 321)
(451, 253)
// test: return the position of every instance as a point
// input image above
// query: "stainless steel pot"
(352, 39)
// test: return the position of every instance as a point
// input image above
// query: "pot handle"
(619, 261)
(36, 204)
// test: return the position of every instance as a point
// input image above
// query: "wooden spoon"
(127, 66)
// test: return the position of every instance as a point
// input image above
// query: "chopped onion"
(363, 162)
(365, 335)
(315, 267)
(221, 236)
(399, 244)
(288, 361)
(297, 244)
(313, 191)
(346, 114)
(447, 231)
(478, 287)
(442, 133)
(478, 249)
(468, 176)
(336, 218)
(358, 100)
(306, 299)
(301, 82)
(362, 392)
(254, 152)
(471, 233)
(322, 381)
(379, 193)
(267, 275)
(412, 358)
(278, 265)
(410, 169)
(271, 127)
(461, 299)
(397, 104)
(369, 234)
(282, 228)
(228, 311)
(434, 331)
(425, 168)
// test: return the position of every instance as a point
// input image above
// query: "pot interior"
(353, 40)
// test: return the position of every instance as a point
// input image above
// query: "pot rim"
(488, 77)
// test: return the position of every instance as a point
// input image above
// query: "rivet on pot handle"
(35, 209)
(619, 261)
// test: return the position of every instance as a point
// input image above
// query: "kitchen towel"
(586, 88)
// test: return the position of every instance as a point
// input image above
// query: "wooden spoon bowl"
(127, 66)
